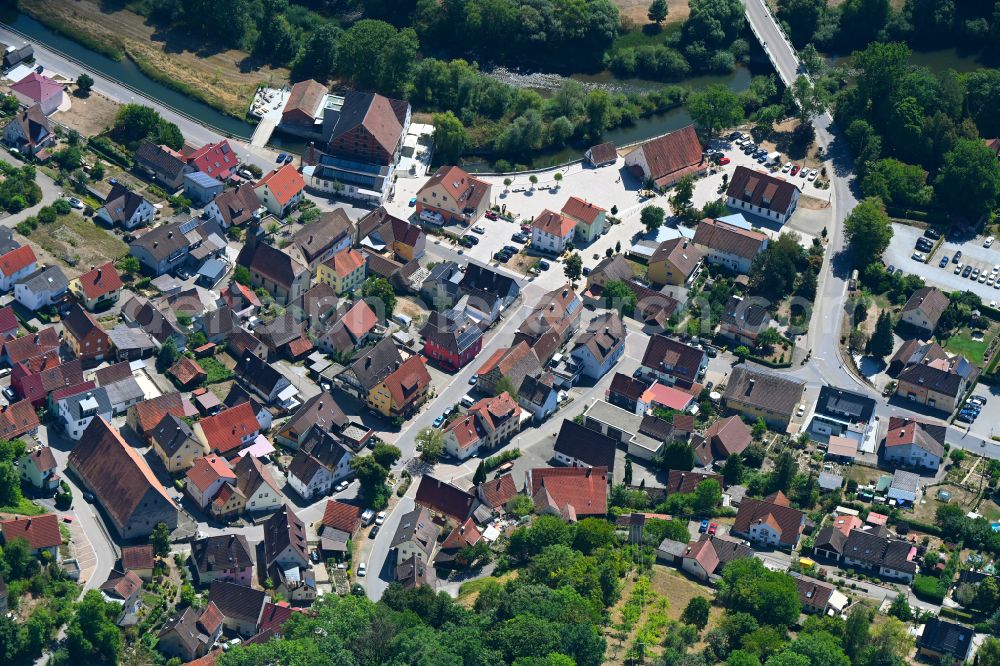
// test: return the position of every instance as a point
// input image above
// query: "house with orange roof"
(344, 271)
(589, 218)
(41, 533)
(452, 195)
(551, 231)
(913, 443)
(463, 536)
(187, 372)
(569, 492)
(18, 419)
(700, 559)
(402, 391)
(488, 424)
(16, 264)
(279, 191)
(97, 287)
(146, 415)
(229, 430)
(217, 160)
(206, 477)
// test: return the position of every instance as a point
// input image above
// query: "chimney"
(98, 275)
(170, 234)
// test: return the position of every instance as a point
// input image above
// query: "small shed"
(211, 272)
(201, 188)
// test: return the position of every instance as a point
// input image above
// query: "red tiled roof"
(299, 346)
(43, 458)
(346, 262)
(761, 189)
(18, 419)
(845, 524)
(408, 380)
(586, 490)
(187, 370)
(8, 320)
(680, 481)
(342, 516)
(137, 557)
(730, 434)
(101, 281)
(207, 469)
(581, 209)
(246, 292)
(788, 521)
(17, 260)
(38, 531)
(37, 87)
(497, 492)
(672, 153)
(554, 223)
(284, 182)
(274, 616)
(728, 238)
(703, 552)
(465, 430)
(225, 431)
(215, 159)
(32, 344)
(359, 320)
(149, 413)
(465, 535)
(211, 618)
(122, 585)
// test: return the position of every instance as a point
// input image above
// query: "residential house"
(284, 337)
(219, 325)
(488, 291)
(672, 362)
(176, 445)
(385, 234)
(321, 461)
(495, 493)
(98, 287)
(187, 372)
(137, 312)
(201, 188)
(550, 325)
(769, 522)
(190, 635)
(488, 424)
(124, 589)
(615, 267)
(843, 413)
(18, 419)
(568, 492)
(162, 163)
(164, 248)
(344, 271)
(29, 131)
(539, 396)
(461, 537)
(416, 536)
(45, 287)
(758, 394)
(121, 481)
(261, 378)
(273, 270)
(217, 160)
(700, 559)
(320, 412)
(303, 111)
(937, 382)
(241, 606)
(15, 265)
(923, 310)
(511, 363)
(601, 155)
(40, 532)
(817, 597)
(870, 550)
(243, 341)
(145, 416)
(228, 431)
(9, 325)
(728, 245)
(675, 262)
(40, 343)
(667, 159)
(743, 319)
(414, 572)
(762, 194)
(626, 392)
(224, 557)
(285, 540)
(339, 524)
(366, 372)
(941, 640)
(684, 482)
(78, 411)
(551, 231)
(728, 436)
(15, 55)
(444, 499)
(38, 467)
(39, 89)
(403, 390)
(234, 207)
(453, 196)
(206, 477)
(85, 336)
(139, 560)
(590, 219)
(904, 488)
(579, 446)
(125, 208)
(280, 190)
(255, 484)
(601, 346)
(451, 338)
(36, 378)
(319, 241)
(642, 435)
(914, 443)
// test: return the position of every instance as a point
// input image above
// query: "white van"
(774, 158)
(467, 401)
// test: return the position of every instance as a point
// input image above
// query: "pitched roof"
(926, 436)
(217, 160)
(842, 404)
(8, 320)
(359, 320)
(680, 481)
(703, 552)
(615, 267)
(305, 97)
(813, 593)
(776, 512)
(930, 301)
(225, 431)
(605, 333)
(673, 357)
(761, 189)
(37, 87)
(627, 387)
(39, 531)
(341, 516)
(321, 411)
(121, 203)
(160, 159)
(319, 450)
(444, 498)
(186, 370)
(581, 209)
(150, 412)
(466, 534)
(730, 434)
(223, 551)
(603, 152)
(554, 223)
(417, 526)
(680, 252)
(277, 266)
(329, 229)
(728, 238)
(17, 419)
(497, 492)
(376, 363)
(34, 125)
(764, 390)
(257, 373)
(42, 458)
(114, 471)
(208, 469)
(171, 434)
(251, 474)
(237, 601)
(375, 114)
(872, 548)
(586, 445)
(465, 190)
(137, 557)
(36, 386)
(946, 376)
(946, 637)
(17, 260)
(281, 530)
(237, 205)
(452, 330)
(672, 153)
(408, 380)
(583, 489)
(495, 411)
(121, 585)
(284, 182)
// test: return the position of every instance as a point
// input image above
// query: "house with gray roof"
(77, 411)
(45, 287)
(756, 393)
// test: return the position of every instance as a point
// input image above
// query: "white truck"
(773, 158)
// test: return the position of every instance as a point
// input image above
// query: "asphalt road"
(773, 40)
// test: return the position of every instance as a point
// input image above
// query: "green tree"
(592, 534)
(896, 183)
(892, 638)
(652, 218)
(84, 83)
(803, 18)
(370, 474)
(450, 137)
(969, 181)
(380, 295)
(680, 201)
(759, 428)
(318, 57)
(880, 343)
(785, 469)
(573, 267)
(241, 275)
(129, 265)
(820, 648)
(900, 608)
(696, 612)
(714, 108)
(809, 99)
(431, 443)
(677, 455)
(167, 355)
(770, 596)
(386, 455)
(618, 297)
(657, 11)
(988, 653)
(93, 636)
(769, 338)
(732, 470)
(868, 231)
(628, 472)
(480, 475)
(707, 495)
(160, 539)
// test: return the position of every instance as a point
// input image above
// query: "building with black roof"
(843, 413)
(579, 446)
(940, 639)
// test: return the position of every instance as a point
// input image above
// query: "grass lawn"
(25, 508)
(962, 343)
(645, 36)
(77, 242)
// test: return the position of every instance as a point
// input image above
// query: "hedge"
(926, 528)
(108, 149)
(929, 588)
(493, 462)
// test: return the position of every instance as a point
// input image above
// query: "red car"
(490, 215)
(713, 528)
(795, 169)
(724, 160)
(67, 519)
(526, 227)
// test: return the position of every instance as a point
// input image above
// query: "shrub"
(929, 588)
(495, 461)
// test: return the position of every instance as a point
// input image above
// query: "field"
(962, 343)
(221, 78)
(635, 11)
(90, 116)
(77, 244)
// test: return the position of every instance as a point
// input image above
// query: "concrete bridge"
(773, 40)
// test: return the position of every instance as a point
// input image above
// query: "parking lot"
(901, 249)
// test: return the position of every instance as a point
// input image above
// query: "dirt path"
(221, 76)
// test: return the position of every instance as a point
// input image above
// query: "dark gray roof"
(237, 601)
(763, 389)
(172, 433)
(77, 403)
(152, 156)
(377, 363)
(121, 203)
(224, 551)
(844, 405)
(50, 278)
(417, 526)
(877, 550)
(257, 373)
(163, 241)
(946, 637)
(584, 444)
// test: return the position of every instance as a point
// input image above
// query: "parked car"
(787, 167)
(438, 421)
(289, 158)
(713, 528)
(924, 245)
(890, 269)
(75, 203)
(413, 202)
(795, 169)
(975, 274)
(978, 399)
(919, 256)
(490, 215)
(281, 158)
(735, 135)
(703, 527)
(342, 486)
(374, 532)
(473, 379)
(966, 271)
(380, 518)
(933, 234)
(988, 242)
(956, 257)
(943, 262)
(724, 161)
(958, 268)
(362, 569)
(544, 265)
(812, 174)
